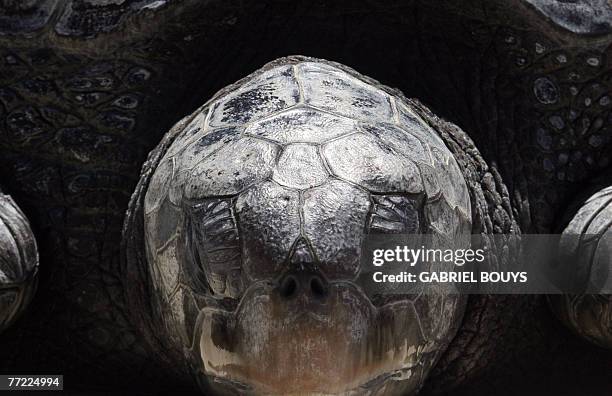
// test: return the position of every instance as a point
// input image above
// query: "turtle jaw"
(334, 345)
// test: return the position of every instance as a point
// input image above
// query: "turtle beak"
(305, 336)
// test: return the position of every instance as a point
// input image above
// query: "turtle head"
(256, 211)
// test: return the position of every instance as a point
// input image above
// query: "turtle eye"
(393, 219)
(214, 246)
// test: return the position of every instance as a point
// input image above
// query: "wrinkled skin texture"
(288, 172)
(84, 97)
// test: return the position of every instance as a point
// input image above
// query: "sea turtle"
(236, 262)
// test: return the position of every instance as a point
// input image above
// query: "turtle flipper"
(588, 239)
(18, 262)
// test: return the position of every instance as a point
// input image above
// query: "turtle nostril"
(288, 287)
(310, 285)
(317, 287)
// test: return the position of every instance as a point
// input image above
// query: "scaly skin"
(71, 152)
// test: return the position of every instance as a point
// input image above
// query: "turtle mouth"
(376, 386)
(269, 345)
